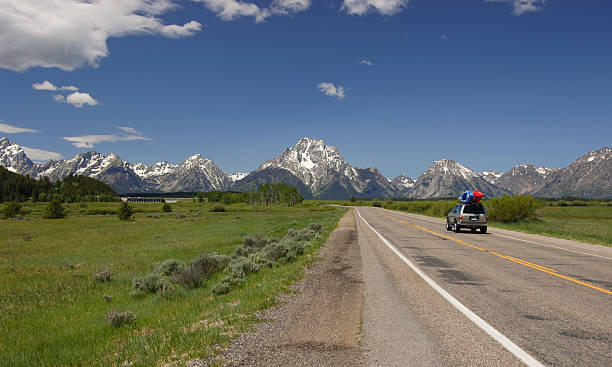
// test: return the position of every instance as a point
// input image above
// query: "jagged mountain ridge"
(448, 178)
(319, 171)
(590, 176)
(194, 174)
(524, 178)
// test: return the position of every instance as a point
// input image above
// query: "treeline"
(266, 194)
(73, 188)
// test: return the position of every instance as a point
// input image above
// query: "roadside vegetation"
(160, 288)
(581, 220)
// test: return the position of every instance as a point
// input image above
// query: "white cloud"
(46, 85)
(41, 155)
(383, 7)
(443, 36)
(78, 99)
(129, 130)
(234, 9)
(520, 7)
(10, 129)
(59, 98)
(366, 62)
(88, 141)
(332, 90)
(68, 34)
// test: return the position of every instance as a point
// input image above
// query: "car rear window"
(473, 209)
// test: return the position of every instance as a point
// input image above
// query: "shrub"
(315, 227)
(11, 209)
(166, 208)
(54, 210)
(579, 203)
(217, 208)
(101, 211)
(224, 286)
(376, 203)
(103, 275)
(208, 264)
(190, 277)
(256, 241)
(509, 209)
(151, 283)
(125, 211)
(169, 267)
(118, 319)
(241, 267)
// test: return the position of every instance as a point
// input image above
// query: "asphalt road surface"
(437, 298)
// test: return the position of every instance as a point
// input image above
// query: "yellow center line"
(509, 258)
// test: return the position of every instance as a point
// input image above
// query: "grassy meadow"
(53, 313)
(587, 221)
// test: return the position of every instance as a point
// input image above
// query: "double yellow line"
(509, 258)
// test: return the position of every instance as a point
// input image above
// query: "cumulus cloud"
(10, 129)
(78, 99)
(40, 155)
(88, 141)
(520, 7)
(332, 90)
(234, 9)
(46, 85)
(383, 7)
(366, 62)
(59, 98)
(68, 34)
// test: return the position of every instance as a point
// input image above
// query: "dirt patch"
(318, 326)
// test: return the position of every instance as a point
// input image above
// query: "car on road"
(472, 216)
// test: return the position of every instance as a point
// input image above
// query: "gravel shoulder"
(320, 324)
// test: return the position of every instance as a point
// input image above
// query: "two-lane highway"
(549, 299)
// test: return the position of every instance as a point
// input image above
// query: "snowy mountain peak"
(597, 155)
(447, 166)
(403, 182)
(237, 176)
(312, 161)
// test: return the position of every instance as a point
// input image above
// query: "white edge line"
(513, 238)
(496, 335)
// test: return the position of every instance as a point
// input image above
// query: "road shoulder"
(318, 325)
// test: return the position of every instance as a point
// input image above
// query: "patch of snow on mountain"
(237, 176)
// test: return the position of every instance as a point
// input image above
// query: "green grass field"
(52, 312)
(591, 224)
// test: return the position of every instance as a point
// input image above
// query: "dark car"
(472, 216)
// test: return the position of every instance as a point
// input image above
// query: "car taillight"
(461, 218)
(487, 218)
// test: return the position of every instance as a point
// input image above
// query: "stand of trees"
(266, 194)
(19, 188)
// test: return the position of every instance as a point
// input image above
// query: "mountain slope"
(588, 177)
(448, 179)
(524, 178)
(14, 158)
(196, 173)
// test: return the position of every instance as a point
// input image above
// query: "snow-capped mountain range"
(320, 171)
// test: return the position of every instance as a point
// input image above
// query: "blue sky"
(488, 83)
